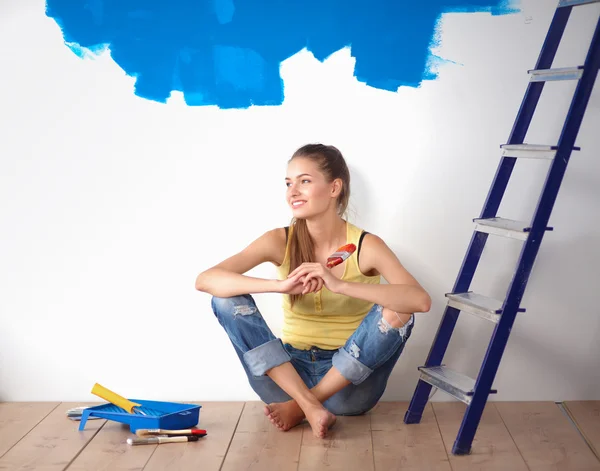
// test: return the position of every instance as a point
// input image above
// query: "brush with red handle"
(340, 255)
(159, 431)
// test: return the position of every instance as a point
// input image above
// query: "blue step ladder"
(475, 392)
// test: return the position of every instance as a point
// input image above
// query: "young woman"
(343, 331)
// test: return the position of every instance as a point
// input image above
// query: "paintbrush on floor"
(149, 432)
(157, 440)
(75, 413)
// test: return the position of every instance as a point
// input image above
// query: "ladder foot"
(412, 417)
(458, 449)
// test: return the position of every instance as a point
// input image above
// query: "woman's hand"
(300, 286)
(311, 286)
(307, 272)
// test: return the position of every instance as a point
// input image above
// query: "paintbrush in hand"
(340, 255)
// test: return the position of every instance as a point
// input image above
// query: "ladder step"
(565, 73)
(574, 3)
(478, 305)
(456, 384)
(530, 151)
(504, 227)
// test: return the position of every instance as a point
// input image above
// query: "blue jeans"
(366, 360)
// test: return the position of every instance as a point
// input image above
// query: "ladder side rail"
(530, 249)
(478, 239)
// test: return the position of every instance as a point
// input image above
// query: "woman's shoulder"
(277, 235)
(373, 251)
(276, 239)
(371, 241)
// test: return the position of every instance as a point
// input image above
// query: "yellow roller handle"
(114, 398)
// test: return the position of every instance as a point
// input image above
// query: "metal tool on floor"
(475, 392)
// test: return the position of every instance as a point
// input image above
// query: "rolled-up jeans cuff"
(350, 368)
(266, 356)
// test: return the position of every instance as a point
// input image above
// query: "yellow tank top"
(325, 319)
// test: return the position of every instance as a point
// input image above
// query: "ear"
(336, 187)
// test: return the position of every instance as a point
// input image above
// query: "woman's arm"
(227, 278)
(402, 294)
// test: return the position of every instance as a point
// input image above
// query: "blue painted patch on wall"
(228, 53)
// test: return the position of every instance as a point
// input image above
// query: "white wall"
(112, 204)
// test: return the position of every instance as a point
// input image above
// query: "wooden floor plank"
(348, 446)
(493, 447)
(397, 445)
(52, 444)
(219, 419)
(109, 450)
(258, 446)
(18, 418)
(545, 437)
(587, 416)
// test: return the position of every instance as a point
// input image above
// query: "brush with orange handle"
(340, 255)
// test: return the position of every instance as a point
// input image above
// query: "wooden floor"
(512, 436)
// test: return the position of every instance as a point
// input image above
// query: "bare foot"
(284, 415)
(320, 420)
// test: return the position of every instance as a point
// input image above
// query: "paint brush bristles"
(161, 439)
(340, 255)
(146, 432)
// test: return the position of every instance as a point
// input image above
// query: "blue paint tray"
(166, 415)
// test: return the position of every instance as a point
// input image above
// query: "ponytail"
(302, 249)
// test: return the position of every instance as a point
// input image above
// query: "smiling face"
(309, 193)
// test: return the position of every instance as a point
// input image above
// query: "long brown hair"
(332, 164)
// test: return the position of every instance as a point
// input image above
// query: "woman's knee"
(242, 305)
(395, 320)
